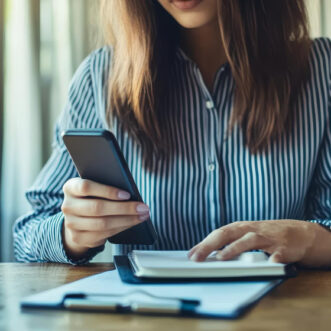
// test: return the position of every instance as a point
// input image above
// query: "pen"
(122, 303)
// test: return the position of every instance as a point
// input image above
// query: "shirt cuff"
(52, 249)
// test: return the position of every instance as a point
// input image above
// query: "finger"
(216, 240)
(103, 223)
(90, 239)
(247, 242)
(192, 251)
(86, 188)
(100, 207)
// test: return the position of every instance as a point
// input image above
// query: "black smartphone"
(98, 157)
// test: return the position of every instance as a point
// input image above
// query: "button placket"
(210, 114)
(213, 175)
(211, 126)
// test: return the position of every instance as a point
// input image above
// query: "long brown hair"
(267, 45)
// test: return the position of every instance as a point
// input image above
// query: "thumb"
(278, 256)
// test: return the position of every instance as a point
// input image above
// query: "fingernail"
(195, 257)
(142, 209)
(220, 256)
(123, 195)
(274, 258)
(144, 217)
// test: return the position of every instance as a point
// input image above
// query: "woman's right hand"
(94, 212)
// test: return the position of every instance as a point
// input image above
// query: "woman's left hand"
(286, 241)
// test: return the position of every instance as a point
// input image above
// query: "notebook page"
(180, 260)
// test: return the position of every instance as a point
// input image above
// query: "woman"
(222, 110)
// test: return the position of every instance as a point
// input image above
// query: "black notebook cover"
(127, 275)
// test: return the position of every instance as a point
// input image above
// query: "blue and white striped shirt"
(213, 179)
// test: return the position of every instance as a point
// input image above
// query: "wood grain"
(302, 303)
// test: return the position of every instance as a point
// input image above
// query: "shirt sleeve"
(38, 235)
(318, 203)
(319, 198)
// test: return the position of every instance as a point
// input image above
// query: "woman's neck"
(204, 46)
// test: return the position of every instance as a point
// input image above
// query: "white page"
(216, 298)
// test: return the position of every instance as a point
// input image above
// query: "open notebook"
(175, 264)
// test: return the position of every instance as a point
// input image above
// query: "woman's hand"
(286, 241)
(94, 212)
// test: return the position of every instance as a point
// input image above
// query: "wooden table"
(302, 303)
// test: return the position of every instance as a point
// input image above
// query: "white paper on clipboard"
(221, 299)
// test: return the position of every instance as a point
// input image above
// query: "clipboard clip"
(139, 302)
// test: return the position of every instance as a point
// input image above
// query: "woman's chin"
(191, 14)
(193, 21)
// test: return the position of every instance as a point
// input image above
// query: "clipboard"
(106, 292)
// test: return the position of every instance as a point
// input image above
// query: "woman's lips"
(185, 4)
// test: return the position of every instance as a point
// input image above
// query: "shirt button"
(211, 167)
(210, 104)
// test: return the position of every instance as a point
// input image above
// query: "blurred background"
(42, 42)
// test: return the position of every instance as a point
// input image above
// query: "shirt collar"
(181, 55)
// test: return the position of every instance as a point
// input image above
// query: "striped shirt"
(213, 179)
